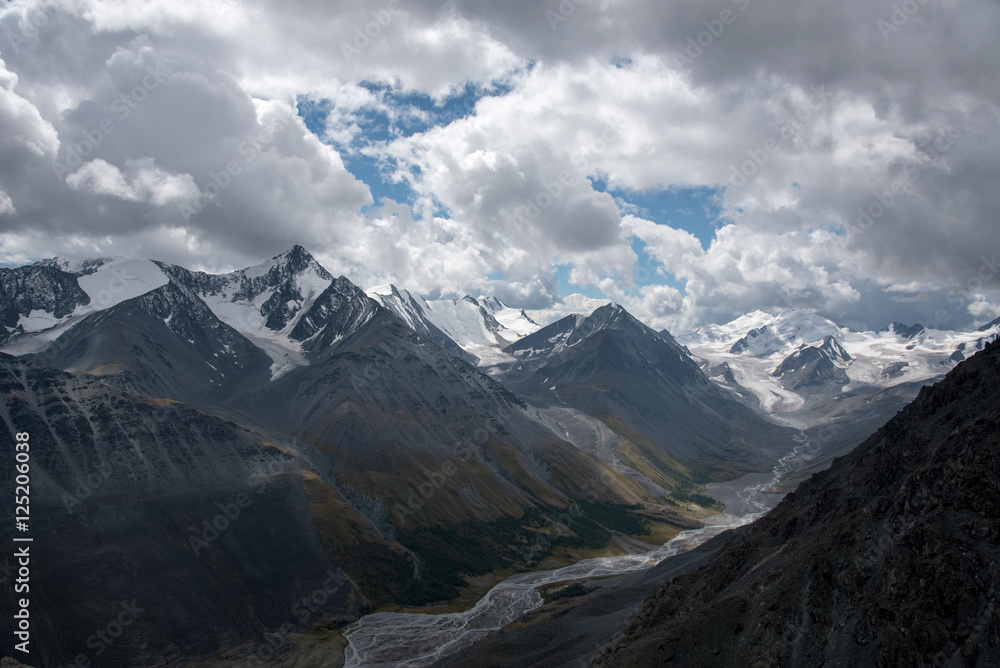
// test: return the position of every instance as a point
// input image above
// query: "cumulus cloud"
(854, 149)
(145, 182)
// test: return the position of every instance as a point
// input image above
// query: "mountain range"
(474, 329)
(220, 447)
(838, 385)
(791, 362)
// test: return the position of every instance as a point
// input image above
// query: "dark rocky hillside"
(209, 533)
(889, 558)
(39, 287)
(677, 427)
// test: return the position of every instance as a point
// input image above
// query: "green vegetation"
(571, 591)
(589, 534)
(595, 521)
(380, 569)
(472, 548)
(692, 497)
(617, 517)
(477, 548)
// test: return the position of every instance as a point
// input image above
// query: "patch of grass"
(693, 497)
(617, 517)
(380, 569)
(589, 534)
(471, 548)
(595, 522)
(571, 591)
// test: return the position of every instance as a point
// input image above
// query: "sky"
(693, 161)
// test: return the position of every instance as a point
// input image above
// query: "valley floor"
(455, 636)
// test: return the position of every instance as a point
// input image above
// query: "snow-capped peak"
(516, 320)
(266, 301)
(105, 283)
(295, 260)
(479, 327)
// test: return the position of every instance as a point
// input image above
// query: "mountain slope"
(676, 426)
(210, 533)
(391, 410)
(44, 300)
(408, 309)
(34, 296)
(891, 557)
(165, 343)
(818, 365)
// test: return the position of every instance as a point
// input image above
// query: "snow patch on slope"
(515, 320)
(38, 321)
(118, 281)
(244, 315)
(109, 283)
(481, 327)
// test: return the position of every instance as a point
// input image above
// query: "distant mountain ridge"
(752, 354)
(276, 304)
(474, 329)
(836, 384)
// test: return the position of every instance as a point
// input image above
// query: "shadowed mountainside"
(210, 534)
(676, 426)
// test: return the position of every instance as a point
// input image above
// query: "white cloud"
(6, 204)
(803, 117)
(145, 182)
(568, 305)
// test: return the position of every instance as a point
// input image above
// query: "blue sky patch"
(400, 114)
(695, 210)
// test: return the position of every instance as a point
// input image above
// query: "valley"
(414, 640)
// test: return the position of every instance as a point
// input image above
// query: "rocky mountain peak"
(833, 351)
(990, 325)
(280, 268)
(743, 345)
(905, 331)
(36, 288)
